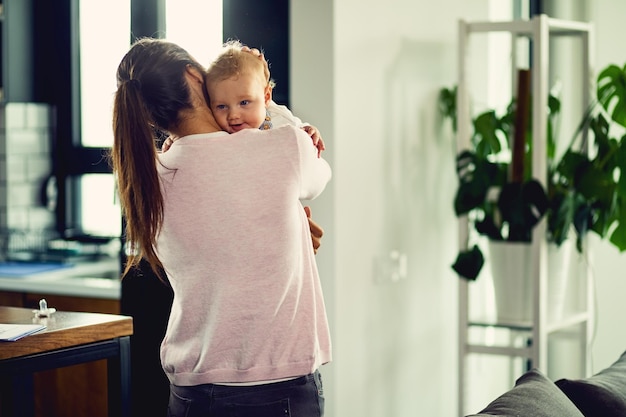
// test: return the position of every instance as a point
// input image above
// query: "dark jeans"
(300, 397)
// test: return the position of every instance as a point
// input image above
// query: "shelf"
(527, 340)
(576, 319)
(528, 27)
(522, 352)
(520, 327)
(572, 320)
(519, 336)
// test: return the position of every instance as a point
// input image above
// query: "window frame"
(71, 160)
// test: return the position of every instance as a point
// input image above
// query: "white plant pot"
(513, 284)
(559, 271)
(510, 270)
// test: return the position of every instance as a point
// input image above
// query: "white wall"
(367, 73)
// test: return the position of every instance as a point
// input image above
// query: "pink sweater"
(236, 246)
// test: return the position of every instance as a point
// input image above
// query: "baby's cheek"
(223, 123)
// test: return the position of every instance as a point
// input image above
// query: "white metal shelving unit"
(539, 30)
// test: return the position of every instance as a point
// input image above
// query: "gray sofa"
(534, 395)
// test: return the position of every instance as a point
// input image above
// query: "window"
(100, 51)
(91, 195)
(196, 25)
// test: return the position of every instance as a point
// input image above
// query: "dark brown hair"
(152, 91)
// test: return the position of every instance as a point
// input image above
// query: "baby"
(239, 89)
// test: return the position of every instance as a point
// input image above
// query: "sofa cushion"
(603, 394)
(533, 395)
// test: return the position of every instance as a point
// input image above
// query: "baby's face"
(239, 102)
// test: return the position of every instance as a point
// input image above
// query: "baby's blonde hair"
(233, 61)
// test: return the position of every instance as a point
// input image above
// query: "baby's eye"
(220, 107)
(244, 102)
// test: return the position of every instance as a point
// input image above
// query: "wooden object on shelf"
(522, 111)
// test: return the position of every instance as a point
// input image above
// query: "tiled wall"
(25, 165)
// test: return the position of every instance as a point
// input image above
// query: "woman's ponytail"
(151, 96)
(134, 161)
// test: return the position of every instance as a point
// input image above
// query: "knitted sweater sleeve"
(315, 171)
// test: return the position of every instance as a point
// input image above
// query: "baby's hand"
(255, 52)
(315, 135)
(168, 143)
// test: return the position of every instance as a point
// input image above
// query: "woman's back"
(235, 244)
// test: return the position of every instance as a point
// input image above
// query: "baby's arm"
(281, 116)
(316, 136)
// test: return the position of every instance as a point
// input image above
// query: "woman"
(221, 215)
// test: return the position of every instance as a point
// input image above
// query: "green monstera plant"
(586, 191)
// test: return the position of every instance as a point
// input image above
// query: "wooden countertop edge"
(62, 338)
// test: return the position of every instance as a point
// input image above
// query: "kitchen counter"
(94, 279)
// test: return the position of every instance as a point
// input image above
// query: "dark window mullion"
(86, 161)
